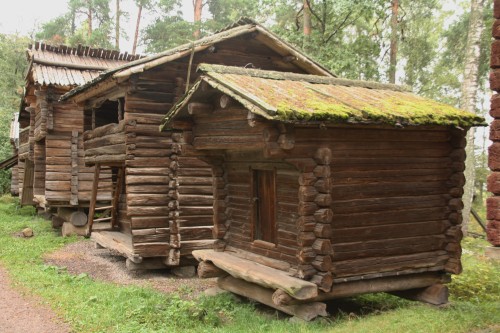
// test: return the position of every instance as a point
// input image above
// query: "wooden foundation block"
(207, 270)
(147, 263)
(305, 311)
(77, 218)
(68, 229)
(184, 271)
(437, 294)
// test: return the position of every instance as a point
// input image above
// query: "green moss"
(405, 110)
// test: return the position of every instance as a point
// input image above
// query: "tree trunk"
(393, 61)
(89, 16)
(117, 26)
(198, 5)
(136, 36)
(307, 26)
(469, 99)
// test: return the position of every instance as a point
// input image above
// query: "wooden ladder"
(115, 201)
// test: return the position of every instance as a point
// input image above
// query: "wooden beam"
(437, 294)
(306, 311)
(264, 276)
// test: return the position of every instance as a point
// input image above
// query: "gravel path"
(104, 265)
(21, 314)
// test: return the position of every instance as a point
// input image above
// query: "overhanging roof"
(243, 26)
(299, 98)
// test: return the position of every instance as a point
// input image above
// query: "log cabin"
(158, 219)
(51, 171)
(325, 187)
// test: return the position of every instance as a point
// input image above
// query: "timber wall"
(60, 172)
(168, 198)
(493, 203)
(352, 201)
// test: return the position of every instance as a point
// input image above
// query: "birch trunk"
(468, 99)
(117, 25)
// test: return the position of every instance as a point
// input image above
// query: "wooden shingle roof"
(71, 66)
(299, 98)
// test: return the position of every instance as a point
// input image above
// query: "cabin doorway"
(264, 205)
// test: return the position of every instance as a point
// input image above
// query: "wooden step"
(102, 219)
(103, 208)
(102, 227)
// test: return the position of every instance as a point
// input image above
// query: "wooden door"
(264, 205)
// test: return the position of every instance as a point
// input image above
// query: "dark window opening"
(108, 113)
(264, 205)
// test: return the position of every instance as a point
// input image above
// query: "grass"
(93, 306)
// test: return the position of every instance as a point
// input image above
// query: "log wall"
(39, 168)
(169, 196)
(353, 202)
(395, 198)
(493, 203)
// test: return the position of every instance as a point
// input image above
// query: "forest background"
(438, 48)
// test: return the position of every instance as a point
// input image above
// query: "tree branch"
(340, 26)
(316, 16)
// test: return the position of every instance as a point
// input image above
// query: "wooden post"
(116, 196)
(437, 294)
(95, 186)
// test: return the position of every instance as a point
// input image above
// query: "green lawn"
(91, 306)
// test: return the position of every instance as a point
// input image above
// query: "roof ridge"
(275, 75)
(83, 51)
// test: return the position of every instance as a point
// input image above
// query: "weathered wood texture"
(352, 202)
(259, 274)
(395, 198)
(169, 195)
(493, 216)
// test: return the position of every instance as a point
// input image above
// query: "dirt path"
(19, 314)
(104, 265)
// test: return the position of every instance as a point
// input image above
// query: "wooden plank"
(264, 276)
(114, 240)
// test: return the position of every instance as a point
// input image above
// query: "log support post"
(305, 311)
(437, 294)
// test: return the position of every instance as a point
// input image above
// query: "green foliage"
(12, 67)
(72, 28)
(479, 281)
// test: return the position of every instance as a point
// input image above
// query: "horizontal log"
(306, 312)
(392, 263)
(118, 149)
(107, 140)
(387, 247)
(104, 130)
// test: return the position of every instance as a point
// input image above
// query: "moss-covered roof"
(308, 98)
